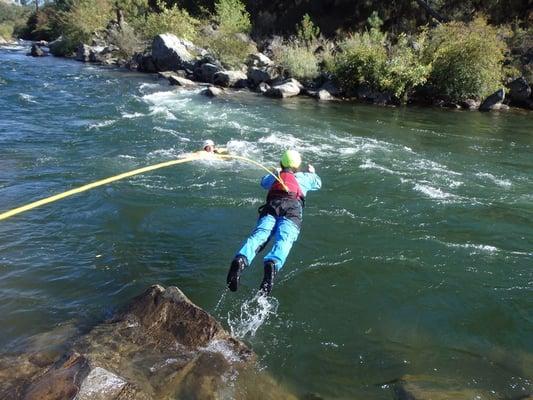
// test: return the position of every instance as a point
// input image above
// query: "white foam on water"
(164, 153)
(27, 98)
(102, 124)
(147, 86)
(480, 247)
(134, 115)
(474, 246)
(341, 212)
(498, 181)
(164, 111)
(281, 140)
(222, 347)
(425, 165)
(369, 164)
(253, 314)
(432, 192)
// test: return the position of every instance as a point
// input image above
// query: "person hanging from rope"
(280, 217)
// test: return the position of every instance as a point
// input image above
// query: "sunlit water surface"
(415, 258)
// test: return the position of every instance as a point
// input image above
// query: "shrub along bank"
(450, 63)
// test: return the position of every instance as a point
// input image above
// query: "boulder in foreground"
(161, 347)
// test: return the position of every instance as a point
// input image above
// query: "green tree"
(306, 31)
(232, 17)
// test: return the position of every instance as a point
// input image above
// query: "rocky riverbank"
(162, 346)
(185, 64)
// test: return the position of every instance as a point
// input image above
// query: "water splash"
(253, 314)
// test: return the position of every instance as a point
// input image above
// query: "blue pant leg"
(286, 234)
(259, 236)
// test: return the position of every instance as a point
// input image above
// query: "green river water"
(415, 258)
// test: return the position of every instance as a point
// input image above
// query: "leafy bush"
(467, 60)
(169, 20)
(12, 19)
(297, 61)
(6, 30)
(82, 19)
(370, 58)
(230, 43)
(361, 59)
(231, 49)
(232, 17)
(126, 40)
(404, 69)
(307, 32)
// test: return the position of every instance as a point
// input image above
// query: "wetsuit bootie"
(268, 278)
(235, 269)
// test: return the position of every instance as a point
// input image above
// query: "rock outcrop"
(206, 72)
(161, 347)
(493, 102)
(170, 53)
(258, 75)
(520, 93)
(212, 91)
(37, 51)
(288, 88)
(234, 79)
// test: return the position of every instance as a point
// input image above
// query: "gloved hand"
(311, 169)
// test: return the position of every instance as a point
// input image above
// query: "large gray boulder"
(37, 51)
(519, 91)
(161, 346)
(259, 60)
(288, 88)
(493, 102)
(236, 79)
(83, 53)
(170, 53)
(206, 72)
(212, 91)
(177, 80)
(143, 63)
(257, 75)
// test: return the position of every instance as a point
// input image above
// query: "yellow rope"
(195, 156)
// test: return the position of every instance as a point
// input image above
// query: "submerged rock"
(162, 346)
(493, 102)
(425, 387)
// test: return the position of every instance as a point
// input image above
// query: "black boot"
(237, 265)
(268, 278)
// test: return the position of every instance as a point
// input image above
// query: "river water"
(415, 258)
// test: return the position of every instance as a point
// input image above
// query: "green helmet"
(291, 159)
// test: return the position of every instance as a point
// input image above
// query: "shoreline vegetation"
(424, 53)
